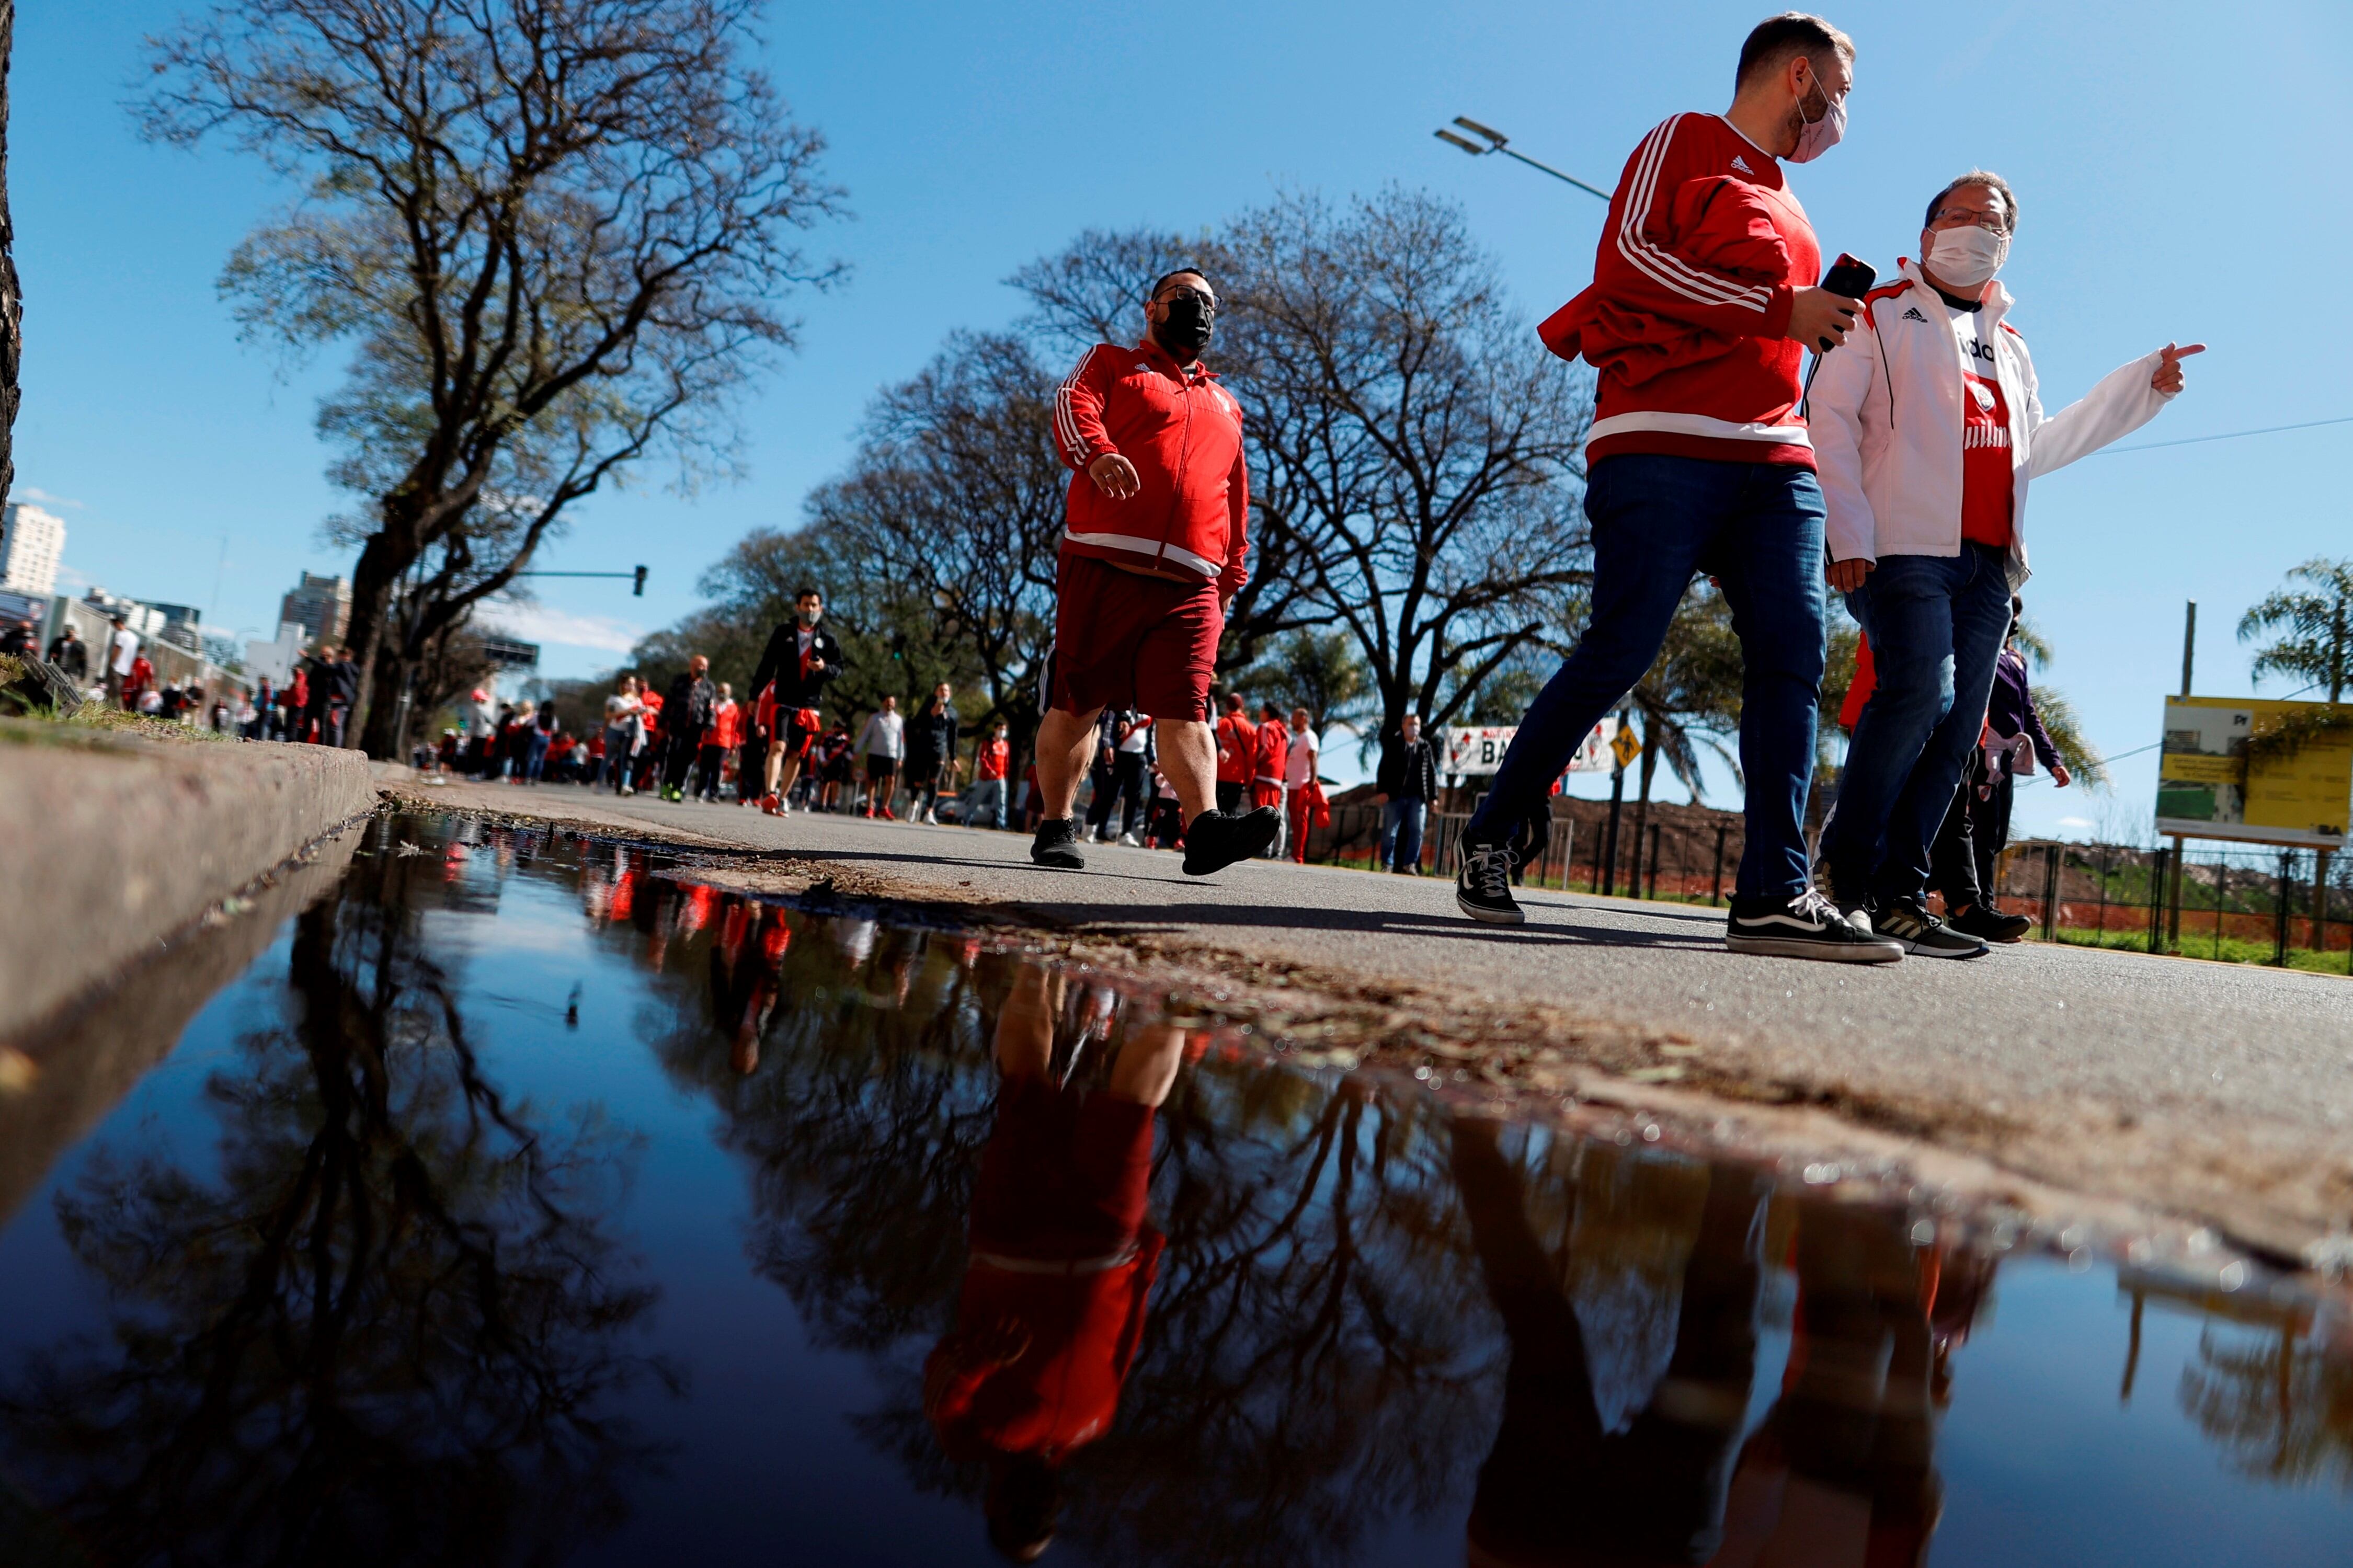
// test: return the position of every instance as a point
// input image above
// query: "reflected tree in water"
(2280, 1406)
(388, 1327)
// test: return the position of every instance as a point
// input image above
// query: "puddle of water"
(526, 1201)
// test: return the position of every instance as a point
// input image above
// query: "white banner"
(1476, 750)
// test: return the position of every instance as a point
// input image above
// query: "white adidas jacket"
(1886, 418)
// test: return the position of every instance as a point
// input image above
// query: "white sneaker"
(931, 816)
(1131, 840)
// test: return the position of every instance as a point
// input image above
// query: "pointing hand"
(2168, 378)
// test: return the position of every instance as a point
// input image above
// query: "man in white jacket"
(1927, 428)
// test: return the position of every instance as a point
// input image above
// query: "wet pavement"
(527, 1201)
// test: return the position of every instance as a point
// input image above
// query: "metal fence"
(2251, 903)
(1685, 860)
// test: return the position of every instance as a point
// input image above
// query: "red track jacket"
(1184, 433)
(1689, 309)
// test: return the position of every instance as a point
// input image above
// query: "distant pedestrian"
(71, 655)
(802, 658)
(139, 693)
(883, 741)
(984, 803)
(1237, 740)
(719, 743)
(931, 752)
(123, 651)
(1976, 829)
(1409, 777)
(1273, 763)
(686, 714)
(542, 740)
(1303, 795)
(623, 726)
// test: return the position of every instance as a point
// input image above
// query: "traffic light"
(639, 591)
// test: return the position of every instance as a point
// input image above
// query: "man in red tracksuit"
(1701, 309)
(1237, 753)
(1152, 553)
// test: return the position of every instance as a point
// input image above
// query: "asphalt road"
(2221, 1088)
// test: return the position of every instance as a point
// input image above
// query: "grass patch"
(2229, 950)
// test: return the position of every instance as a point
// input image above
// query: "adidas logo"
(1912, 313)
(1741, 164)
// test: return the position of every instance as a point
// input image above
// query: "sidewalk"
(2220, 1090)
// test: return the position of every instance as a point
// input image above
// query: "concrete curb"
(112, 844)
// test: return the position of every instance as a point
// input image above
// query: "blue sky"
(2178, 174)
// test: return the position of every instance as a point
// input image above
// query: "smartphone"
(1851, 277)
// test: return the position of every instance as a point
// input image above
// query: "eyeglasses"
(1994, 219)
(1208, 302)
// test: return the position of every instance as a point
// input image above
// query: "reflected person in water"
(1061, 1260)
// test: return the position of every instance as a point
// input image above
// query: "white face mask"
(1967, 257)
(1816, 137)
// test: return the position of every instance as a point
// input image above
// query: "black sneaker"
(1855, 906)
(1057, 845)
(1483, 889)
(1218, 838)
(1908, 920)
(1808, 926)
(1983, 920)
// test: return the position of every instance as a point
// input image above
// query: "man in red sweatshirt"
(1701, 309)
(1152, 554)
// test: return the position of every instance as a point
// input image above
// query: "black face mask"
(1185, 330)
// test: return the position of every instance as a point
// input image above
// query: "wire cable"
(2228, 436)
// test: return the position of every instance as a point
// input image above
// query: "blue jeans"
(1401, 823)
(1657, 522)
(535, 759)
(1936, 624)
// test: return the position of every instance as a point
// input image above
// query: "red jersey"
(1236, 749)
(1273, 751)
(1184, 433)
(1688, 314)
(992, 761)
(726, 729)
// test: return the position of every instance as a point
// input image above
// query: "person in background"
(70, 654)
(265, 712)
(1930, 432)
(343, 695)
(882, 742)
(1168, 826)
(985, 801)
(1976, 828)
(802, 658)
(1134, 757)
(123, 649)
(542, 740)
(1301, 789)
(621, 730)
(1409, 777)
(837, 761)
(1274, 763)
(1102, 775)
(931, 747)
(1237, 740)
(686, 714)
(139, 693)
(294, 705)
(645, 764)
(21, 638)
(719, 743)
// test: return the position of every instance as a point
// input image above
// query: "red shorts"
(1121, 640)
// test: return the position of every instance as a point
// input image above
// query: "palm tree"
(2315, 629)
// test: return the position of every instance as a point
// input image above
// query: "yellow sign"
(1624, 747)
(2268, 773)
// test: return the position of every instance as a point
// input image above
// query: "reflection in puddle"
(528, 1202)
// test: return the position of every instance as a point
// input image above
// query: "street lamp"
(1498, 143)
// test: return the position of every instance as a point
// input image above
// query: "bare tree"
(1410, 435)
(553, 232)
